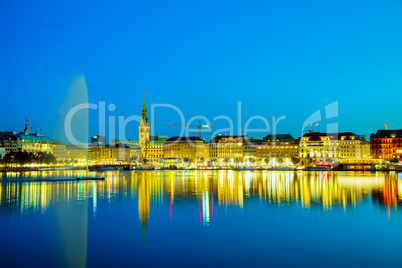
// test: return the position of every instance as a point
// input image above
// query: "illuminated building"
(76, 153)
(192, 148)
(117, 142)
(323, 146)
(281, 145)
(110, 154)
(386, 144)
(98, 140)
(59, 150)
(8, 140)
(135, 152)
(154, 148)
(366, 153)
(143, 129)
(223, 146)
(33, 143)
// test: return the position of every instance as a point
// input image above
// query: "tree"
(50, 158)
(279, 160)
(213, 161)
(226, 160)
(8, 158)
(394, 160)
(266, 160)
(21, 158)
(42, 158)
(329, 160)
(308, 160)
(295, 160)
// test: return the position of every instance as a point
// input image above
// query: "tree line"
(23, 158)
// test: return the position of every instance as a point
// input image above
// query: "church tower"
(143, 128)
(26, 130)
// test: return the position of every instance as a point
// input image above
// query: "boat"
(319, 168)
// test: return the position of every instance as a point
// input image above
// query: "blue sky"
(277, 57)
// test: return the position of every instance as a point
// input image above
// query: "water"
(201, 218)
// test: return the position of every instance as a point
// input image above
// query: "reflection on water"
(34, 192)
(171, 218)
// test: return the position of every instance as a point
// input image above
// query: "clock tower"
(143, 128)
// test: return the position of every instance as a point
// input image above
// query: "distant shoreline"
(121, 168)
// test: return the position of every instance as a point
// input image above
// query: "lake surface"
(201, 219)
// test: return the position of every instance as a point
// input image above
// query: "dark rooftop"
(333, 136)
(184, 139)
(219, 137)
(280, 137)
(392, 133)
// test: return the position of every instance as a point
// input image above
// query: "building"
(223, 146)
(366, 153)
(151, 146)
(192, 148)
(98, 140)
(143, 129)
(34, 143)
(59, 150)
(386, 144)
(135, 152)
(119, 154)
(111, 154)
(76, 154)
(154, 149)
(2, 152)
(333, 146)
(280, 145)
(117, 142)
(97, 155)
(8, 140)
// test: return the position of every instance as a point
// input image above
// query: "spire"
(144, 111)
(26, 125)
(143, 106)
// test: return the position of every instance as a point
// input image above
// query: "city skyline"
(206, 133)
(193, 132)
(200, 133)
(278, 59)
